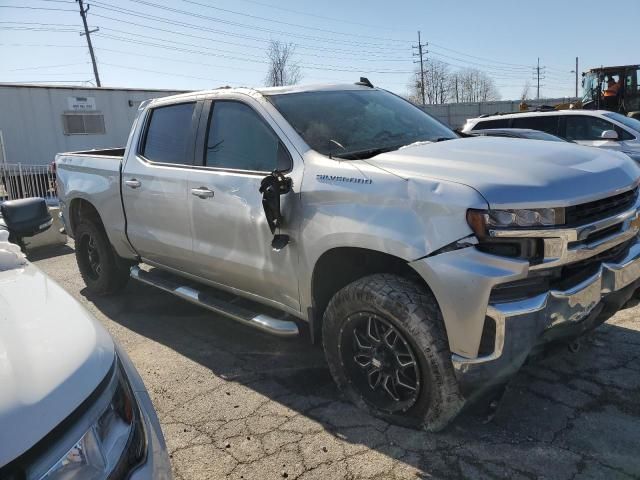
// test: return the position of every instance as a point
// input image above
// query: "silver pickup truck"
(430, 267)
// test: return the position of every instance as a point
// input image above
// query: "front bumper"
(462, 281)
(523, 326)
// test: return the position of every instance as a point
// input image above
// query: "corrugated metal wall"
(32, 126)
(456, 114)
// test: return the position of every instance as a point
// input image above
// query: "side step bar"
(266, 323)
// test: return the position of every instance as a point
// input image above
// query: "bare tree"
(283, 69)
(436, 83)
(442, 85)
(472, 85)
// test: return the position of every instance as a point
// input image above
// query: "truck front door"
(231, 237)
(155, 185)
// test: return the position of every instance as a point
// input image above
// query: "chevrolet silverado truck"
(430, 267)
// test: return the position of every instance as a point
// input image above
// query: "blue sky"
(197, 44)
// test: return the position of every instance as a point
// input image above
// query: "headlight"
(481, 220)
(113, 444)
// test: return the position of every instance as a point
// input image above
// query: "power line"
(46, 66)
(37, 8)
(199, 63)
(49, 81)
(39, 45)
(45, 24)
(38, 29)
(263, 41)
(479, 58)
(333, 19)
(310, 66)
(281, 22)
(139, 35)
(236, 24)
(165, 73)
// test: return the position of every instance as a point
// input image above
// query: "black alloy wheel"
(380, 362)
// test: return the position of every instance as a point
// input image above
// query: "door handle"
(202, 192)
(133, 183)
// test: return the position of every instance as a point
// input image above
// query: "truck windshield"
(357, 123)
(589, 86)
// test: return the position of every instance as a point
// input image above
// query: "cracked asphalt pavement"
(237, 403)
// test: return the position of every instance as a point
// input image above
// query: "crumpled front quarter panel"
(355, 204)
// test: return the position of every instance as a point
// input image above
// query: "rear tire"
(102, 270)
(386, 347)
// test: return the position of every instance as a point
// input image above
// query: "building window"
(83, 123)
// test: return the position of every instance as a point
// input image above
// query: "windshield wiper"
(366, 153)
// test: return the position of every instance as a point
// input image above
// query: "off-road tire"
(413, 311)
(113, 270)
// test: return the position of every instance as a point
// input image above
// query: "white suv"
(595, 128)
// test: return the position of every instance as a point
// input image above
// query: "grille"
(557, 278)
(592, 211)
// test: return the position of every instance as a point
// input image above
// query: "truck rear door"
(155, 185)
(231, 237)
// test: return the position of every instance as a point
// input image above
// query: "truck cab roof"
(263, 91)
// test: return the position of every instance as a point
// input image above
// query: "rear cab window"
(168, 136)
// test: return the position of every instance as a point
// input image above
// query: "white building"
(36, 122)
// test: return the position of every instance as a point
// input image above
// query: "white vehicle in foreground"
(593, 128)
(72, 406)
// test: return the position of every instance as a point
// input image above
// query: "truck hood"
(513, 173)
(53, 354)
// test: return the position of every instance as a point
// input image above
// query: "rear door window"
(546, 123)
(169, 132)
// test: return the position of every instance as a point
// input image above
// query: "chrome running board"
(205, 297)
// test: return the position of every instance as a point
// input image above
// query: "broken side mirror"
(272, 187)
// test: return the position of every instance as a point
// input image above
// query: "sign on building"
(81, 104)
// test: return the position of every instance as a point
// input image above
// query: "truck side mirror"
(271, 187)
(609, 135)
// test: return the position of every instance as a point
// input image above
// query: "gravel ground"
(236, 403)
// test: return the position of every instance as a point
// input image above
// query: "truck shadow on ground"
(566, 415)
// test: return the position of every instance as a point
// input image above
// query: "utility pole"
(538, 76)
(421, 53)
(539, 72)
(576, 77)
(87, 33)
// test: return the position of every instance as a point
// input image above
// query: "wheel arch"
(79, 209)
(340, 266)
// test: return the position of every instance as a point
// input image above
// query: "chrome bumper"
(523, 325)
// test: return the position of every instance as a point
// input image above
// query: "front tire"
(102, 270)
(386, 347)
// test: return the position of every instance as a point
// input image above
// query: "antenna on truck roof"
(364, 81)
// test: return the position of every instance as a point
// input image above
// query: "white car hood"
(53, 354)
(511, 173)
